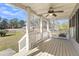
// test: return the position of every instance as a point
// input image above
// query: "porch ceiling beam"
(74, 10)
(21, 5)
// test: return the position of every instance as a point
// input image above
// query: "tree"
(4, 24)
(21, 23)
(64, 26)
(0, 18)
(14, 23)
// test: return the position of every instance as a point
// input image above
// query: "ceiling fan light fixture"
(50, 14)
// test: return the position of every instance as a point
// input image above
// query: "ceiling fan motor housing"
(50, 11)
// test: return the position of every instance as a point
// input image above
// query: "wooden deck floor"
(56, 47)
(52, 47)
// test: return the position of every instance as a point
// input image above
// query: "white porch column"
(24, 43)
(41, 27)
(41, 30)
(27, 29)
(48, 29)
(48, 26)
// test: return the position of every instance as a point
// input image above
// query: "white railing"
(22, 43)
(36, 38)
(45, 35)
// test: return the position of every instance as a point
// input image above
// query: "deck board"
(57, 47)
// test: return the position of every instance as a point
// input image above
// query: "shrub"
(3, 32)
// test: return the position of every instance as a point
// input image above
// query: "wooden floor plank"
(53, 47)
(64, 49)
(57, 47)
(61, 48)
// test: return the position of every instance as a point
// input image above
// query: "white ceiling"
(40, 8)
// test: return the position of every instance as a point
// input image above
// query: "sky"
(62, 21)
(10, 12)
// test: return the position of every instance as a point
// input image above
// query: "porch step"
(27, 53)
(43, 54)
(7, 52)
(22, 53)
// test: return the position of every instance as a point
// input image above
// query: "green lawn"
(11, 40)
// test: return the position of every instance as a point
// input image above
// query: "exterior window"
(70, 23)
(74, 25)
(77, 26)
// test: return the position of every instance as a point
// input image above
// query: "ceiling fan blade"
(58, 11)
(54, 15)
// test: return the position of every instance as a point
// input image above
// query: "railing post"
(41, 28)
(41, 25)
(48, 29)
(48, 26)
(28, 44)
